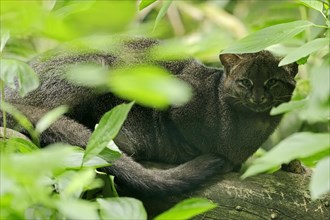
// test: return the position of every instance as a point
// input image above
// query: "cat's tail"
(157, 182)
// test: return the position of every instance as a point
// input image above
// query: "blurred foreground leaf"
(50, 118)
(145, 3)
(4, 38)
(320, 182)
(318, 105)
(288, 107)
(12, 70)
(187, 209)
(22, 120)
(78, 209)
(305, 50)
(314, 4)
(121, 208)
(268, 36)
(297, 146)
(150, 86)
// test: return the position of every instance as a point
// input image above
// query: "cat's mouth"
(259, 108)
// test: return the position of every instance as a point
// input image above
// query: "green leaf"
(318, 106)
(21, 18)
(96, 17)
(314, 4)
(22, 120)
(75, 160)
(162, 12)
(313, 160)
(21, 145)
(299, 145)
(72, 184)
(78, 209)
(121, 208)
(149, 86)
(36, 164)
(305, 50)
(320, 181)
(268, 36)
(108, 128)
(87, 75)
(4, 38)
(145, 3)
(50, 117)
(187, 209)
(288, 107)
(26, 77)
(302, 60)
(110, 153)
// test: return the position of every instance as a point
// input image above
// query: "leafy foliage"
(267, 37)
(313, 108)
(53, 183)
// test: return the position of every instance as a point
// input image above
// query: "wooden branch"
(281, 195)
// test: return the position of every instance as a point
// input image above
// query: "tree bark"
(281, 195)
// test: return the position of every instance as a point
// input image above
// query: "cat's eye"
(246, 83)
(271, 82)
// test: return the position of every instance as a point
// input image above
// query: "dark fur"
(223, 124)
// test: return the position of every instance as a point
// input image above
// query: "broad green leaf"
(97, 17)
(110, 153)
(268, 36)
(187, 209)
(299, 145)
(320, 181)
(21, 145)
(87, 75)
(36, 164)
(21, 17)
(313, 160)
(109, 126)
(288, 107)
(26, 77)
(50, 118)
(121, 208)
(305, 50)
(78, 209)
(149, 86)
(302, 60)
(21, 119)
(75, 161)
(162, 12)
(318, 105)
(145, 3)
(72, 184)
(109, 188)
(314, 4)
(4, 38)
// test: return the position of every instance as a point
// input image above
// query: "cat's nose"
(258, 100)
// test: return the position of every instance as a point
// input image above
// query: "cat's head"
(255, 82)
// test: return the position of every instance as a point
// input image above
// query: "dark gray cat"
(225, 122)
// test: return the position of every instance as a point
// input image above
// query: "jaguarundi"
(225, 122)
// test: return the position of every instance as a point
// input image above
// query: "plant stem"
(4, 115)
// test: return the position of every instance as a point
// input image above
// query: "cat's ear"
(292, 68)
(229, 61)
